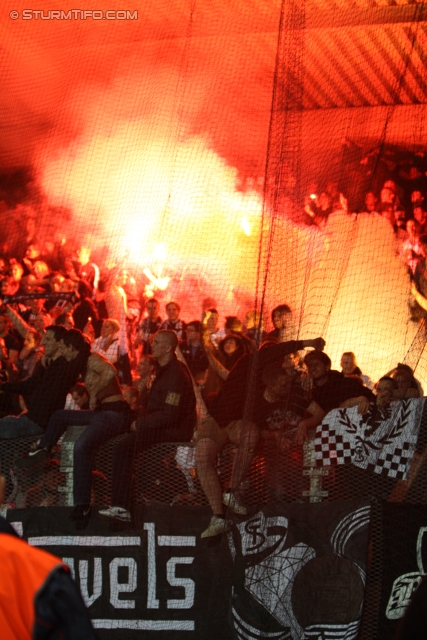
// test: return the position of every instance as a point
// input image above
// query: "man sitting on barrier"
(170, 417)
(46, 389)
(231, 421)
(107, 417)
(285, 415)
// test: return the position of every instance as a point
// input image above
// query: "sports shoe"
(119, 513)
(233, 500)
(217, 525)
(33, 458)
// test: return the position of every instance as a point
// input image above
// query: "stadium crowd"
(84, 345)
(55, 375)
(401, 199)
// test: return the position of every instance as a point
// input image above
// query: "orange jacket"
(23, 572)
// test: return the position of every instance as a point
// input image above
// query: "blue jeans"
(125, 453)
(102, 426)
(18, 427)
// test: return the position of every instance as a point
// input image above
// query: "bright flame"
(246, 226)
(157, 283)
(160, 252)
(170, 208)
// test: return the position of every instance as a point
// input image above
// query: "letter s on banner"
(186, 583)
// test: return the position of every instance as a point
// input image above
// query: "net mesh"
(228, 158)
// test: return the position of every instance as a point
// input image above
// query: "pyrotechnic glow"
(173, 210)
(160, 252)
(246, 226)
(145, 139)
(177, 214)
(347, 285)
(156, 282)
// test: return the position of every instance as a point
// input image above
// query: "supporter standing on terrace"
(85, 308)
(350, 368)
(45, 391)
(193, 351)
(13, 344)
(222, 359)
(146, 331)
(211, 322)
(77, 398)
(174, 323)
(170, 418)
(284, 414)
(9, 403)
(412, 251)
(420, 215)
(406, 384)
(371, 202)
(233, 325)
(107, 343)
(254, 327)
(145, 369)
(279, 317)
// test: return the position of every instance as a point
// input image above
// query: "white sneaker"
(217, 525)
(233, 500)
(119, 513)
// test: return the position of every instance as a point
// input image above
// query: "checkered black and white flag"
(382, 441)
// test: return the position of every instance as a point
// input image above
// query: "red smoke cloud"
(208, 66)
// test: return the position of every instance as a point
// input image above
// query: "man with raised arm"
(231, 421)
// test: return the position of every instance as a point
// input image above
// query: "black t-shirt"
(9, 404)
(337, 389)
(84, 310)
(195, 357)
(236, 398)
(12, 342)
(284, 414)
(48, 387)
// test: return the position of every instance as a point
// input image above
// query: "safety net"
(250, 177)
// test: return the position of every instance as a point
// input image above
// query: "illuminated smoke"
(183, 196)
(345, 282)
(149, 136)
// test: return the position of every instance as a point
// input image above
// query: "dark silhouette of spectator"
(149, 326)
(193, 351)
(174, 323)
(279, 317)
(85, 308)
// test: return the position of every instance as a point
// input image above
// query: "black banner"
(287, 571)
(404, 561)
